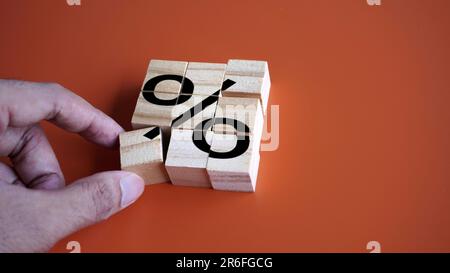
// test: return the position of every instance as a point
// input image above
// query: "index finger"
(26, 103)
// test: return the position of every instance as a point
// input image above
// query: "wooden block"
(148, 114)
(185, 163)
(159, 112)
(252, 80)
(206, 77)
(246, 110)
(238, 173)
(163, 67)
(141, 153)
(233, 174)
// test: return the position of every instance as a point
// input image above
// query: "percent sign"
(198, 137)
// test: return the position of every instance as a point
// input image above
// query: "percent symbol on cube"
(213, 115)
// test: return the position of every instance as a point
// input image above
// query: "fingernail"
(131, 187)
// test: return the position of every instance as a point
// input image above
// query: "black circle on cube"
(187, 88)
(242, 144)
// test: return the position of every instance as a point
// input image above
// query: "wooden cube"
(252, 80)
(237, 173)
(185, 163)
(163, 67)
(246, 110)
(206, 77)
(165, 94)
(141, 153)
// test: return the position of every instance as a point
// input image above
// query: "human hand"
(36, 209)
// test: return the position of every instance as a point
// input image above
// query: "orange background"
(364, 96)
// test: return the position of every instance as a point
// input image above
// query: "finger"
(8, 176)
(32, 156)
(26, 103)
(56, 214)
(93, 199)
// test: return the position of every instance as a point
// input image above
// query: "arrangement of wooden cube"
(199, 124)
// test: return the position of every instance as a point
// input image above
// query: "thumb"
(95, 198)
